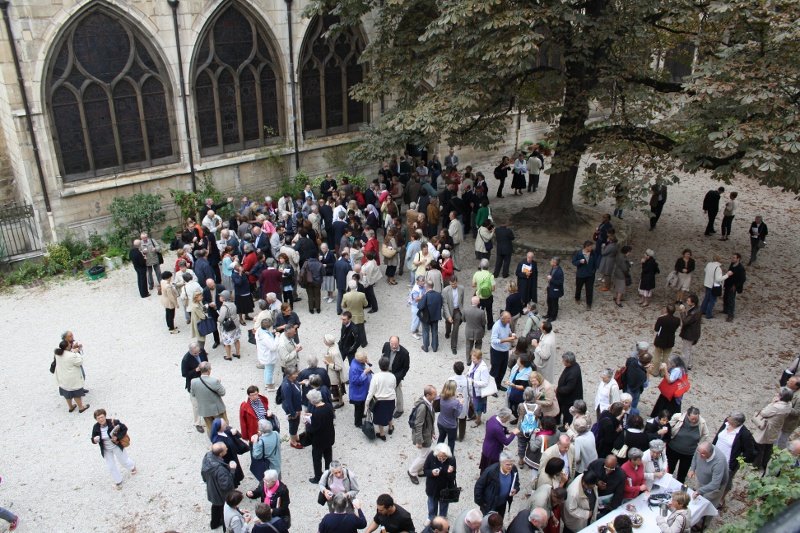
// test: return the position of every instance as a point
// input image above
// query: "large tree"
(454, 71)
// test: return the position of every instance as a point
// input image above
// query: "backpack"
(279, 396)
(484, 289)
(529, 423)
(305, 276)
(412, 418)
(620, 377)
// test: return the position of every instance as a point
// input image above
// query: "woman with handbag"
(68, 370)
(222, 432)
(229, 329)
(197, 314)
(440, 480)
(479, 380)
(112, 437)
(390, 256)
(673, 386)
(265, 453)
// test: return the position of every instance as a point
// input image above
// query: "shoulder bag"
(53, 367)
(716, 288)
(676, 389)
(489, 389)
(228, 324)
(450, 494)
(209, 388)
(122, 442)
(207, 326)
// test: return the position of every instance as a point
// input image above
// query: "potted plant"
(86, 260)
(97, 245)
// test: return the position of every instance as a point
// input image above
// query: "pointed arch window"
(108, 98)
(329, 68)
(237, 84)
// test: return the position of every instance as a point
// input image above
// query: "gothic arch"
(108, 97)
(328, 69)
(237, 82)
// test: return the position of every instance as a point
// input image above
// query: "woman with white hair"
(267, 351)
(607, 391)
(655, 463)
(440, 474)
(273, 492)
(339, 480)
(319, 427)
(265, 452)
(635, 474)
(648, 280)
(338, 371)
(230, 332)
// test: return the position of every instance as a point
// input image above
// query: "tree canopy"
(454, 71)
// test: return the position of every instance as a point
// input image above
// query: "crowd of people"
(243, 278)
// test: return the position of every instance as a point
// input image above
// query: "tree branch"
(659, 85)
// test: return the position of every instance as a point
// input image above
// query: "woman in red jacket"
(253, 409)
(634, 474)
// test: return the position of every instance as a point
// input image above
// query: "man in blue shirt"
(502, 337)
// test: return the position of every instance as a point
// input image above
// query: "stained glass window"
(107, 99)
(237, 84)
(329, 68)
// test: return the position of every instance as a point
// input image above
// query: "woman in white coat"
(69, 376)
(607, 391)
(338, 370)
(479, 378)
(655, 463)
(267, 351)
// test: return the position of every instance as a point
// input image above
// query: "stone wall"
(82, 206)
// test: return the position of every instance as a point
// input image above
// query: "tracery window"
(329, 68)
(108, 97)
(237, 84)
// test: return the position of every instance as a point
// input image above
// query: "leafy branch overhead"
(607, 75)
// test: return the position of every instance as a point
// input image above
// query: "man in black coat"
(504, 238)
(636, 373)
(349, 338)
(431, 305)
(140, 266)
(191, 360)
(487, 492)
(219, 480)
(527, 279)
(570, 386)
(611, 482)
(733, 285)
(743, 445)
(529, 521)
(340, 269)
(202, 268)
(711, 207)
(214, 304)
(399, 363)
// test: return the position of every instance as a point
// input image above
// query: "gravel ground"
(132, 368)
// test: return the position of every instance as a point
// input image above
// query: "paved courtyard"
(55, 479)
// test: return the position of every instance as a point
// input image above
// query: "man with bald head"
(710, 468)
(500, 345)
(469, 521)
(565, 450)
(610, 483)
(399, 364)
(474, 326)
(219, 480)
(140, 266)
(533, 521)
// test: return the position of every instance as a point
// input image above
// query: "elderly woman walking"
(498, 436)
(112, 437)
(231, 332)
(69, 376)
(440, 474)
(648, 280)
(338, 370)
(169, 299)
(360, 379)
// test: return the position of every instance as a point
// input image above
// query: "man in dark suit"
(340, 269)
(431, 305)
(191, 360)
(570, 386)
(555, 288)
(399, 363)
(211, 299)
(504, 238)
(202, 268)
(261, 240)
(453, 307)
(140, 265)
(711, 207)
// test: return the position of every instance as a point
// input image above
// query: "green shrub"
(169, 234)
(60, 257)
(75, 247)
(97, 242)
(136, 214)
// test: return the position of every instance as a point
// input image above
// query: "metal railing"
(19, 234)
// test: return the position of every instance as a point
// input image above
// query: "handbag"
(716, 290)
(387, 251)
(367, 428)
(489, 389)
(423, 315)
(53, 367)
(628, 279)
(621, 452)
(672, 279)
(160, 258)
(251, 336)
(206, 326)
(534, 454)
(321, 499)
(125, 441)
(450, 494)
(228, 324)
(676, 389)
